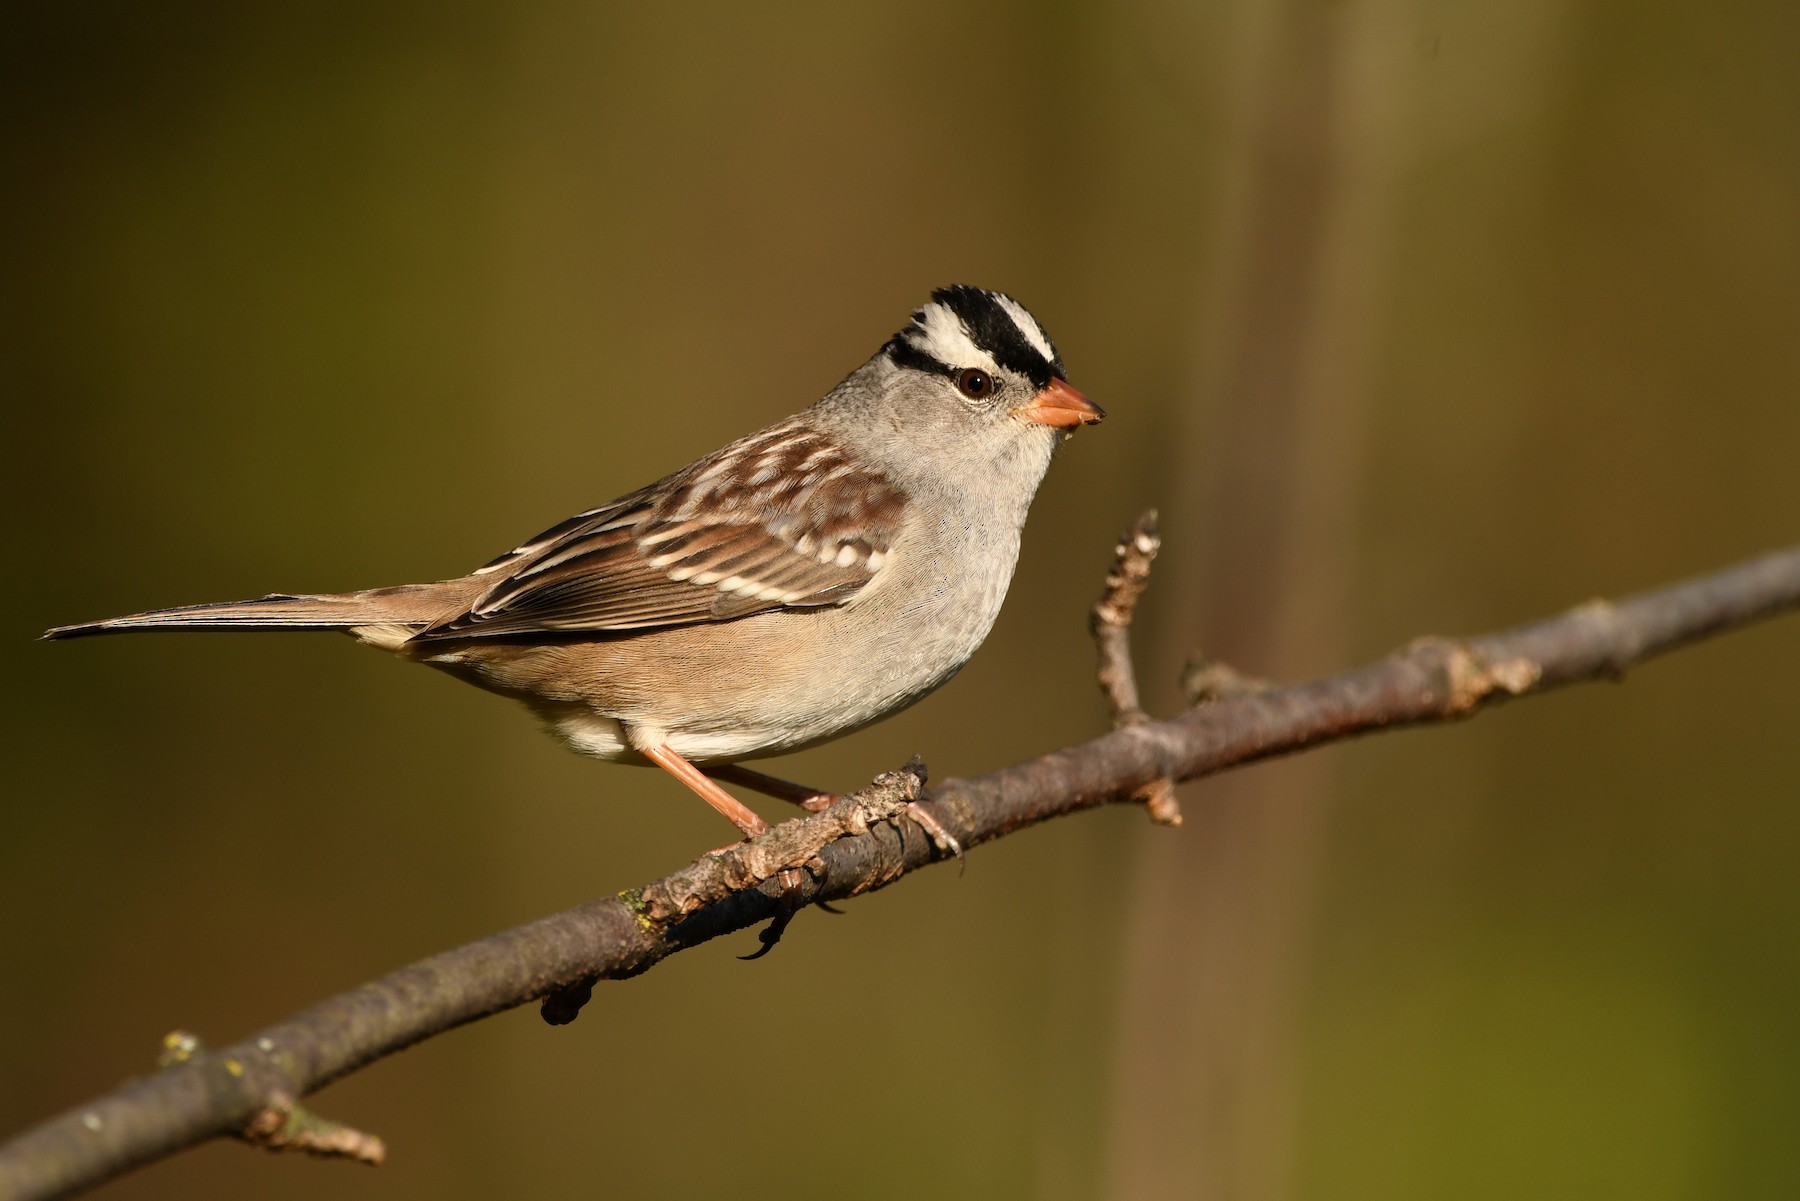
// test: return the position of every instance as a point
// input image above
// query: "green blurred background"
(1412, 316)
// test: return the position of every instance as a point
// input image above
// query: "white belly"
(602, 737)
(810, 676)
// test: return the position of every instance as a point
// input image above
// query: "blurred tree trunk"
(1261, 530)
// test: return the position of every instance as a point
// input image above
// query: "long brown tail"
(409, 605)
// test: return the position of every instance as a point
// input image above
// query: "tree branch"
(864, 842)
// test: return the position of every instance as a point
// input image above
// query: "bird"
(789, 588)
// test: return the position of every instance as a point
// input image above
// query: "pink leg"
(735, 811)
(809, 799)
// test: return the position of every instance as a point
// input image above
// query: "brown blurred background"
(1412, 316)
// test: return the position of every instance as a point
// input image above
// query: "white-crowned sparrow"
(794, 586)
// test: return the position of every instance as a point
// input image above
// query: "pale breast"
(776, 681)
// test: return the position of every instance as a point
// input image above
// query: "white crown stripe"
(1028, 326)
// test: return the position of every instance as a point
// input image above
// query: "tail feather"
(399, 607)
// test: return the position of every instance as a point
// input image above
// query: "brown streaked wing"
(781, 519)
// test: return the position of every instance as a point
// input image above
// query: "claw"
(792, 883)
(940, 837)
(771, 934)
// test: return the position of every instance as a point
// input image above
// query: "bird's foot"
(936, 831)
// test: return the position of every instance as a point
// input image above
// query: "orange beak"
(1061, 406)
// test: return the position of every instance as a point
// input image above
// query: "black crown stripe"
(990, 327)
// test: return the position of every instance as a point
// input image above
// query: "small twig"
(286, 1125)
(1110, 619)
(1110, 623)
(1205, 680)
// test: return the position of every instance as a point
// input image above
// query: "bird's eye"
(975, 384)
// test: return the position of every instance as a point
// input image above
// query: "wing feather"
(781, 519)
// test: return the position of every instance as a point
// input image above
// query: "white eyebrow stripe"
(942, 336)
(1034, 333)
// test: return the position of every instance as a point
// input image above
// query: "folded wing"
(782, 519)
